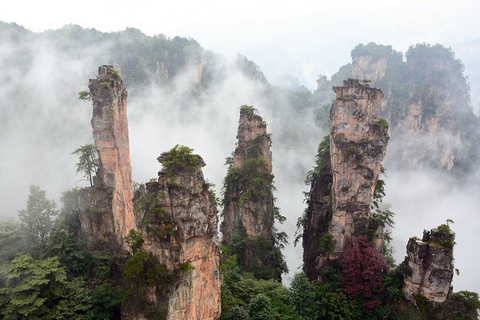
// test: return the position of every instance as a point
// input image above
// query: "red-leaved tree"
(363, 269)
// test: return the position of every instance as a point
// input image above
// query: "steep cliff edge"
(177, 218)
(428, 266)
(317, 216)
(343, 182)
(427, 103)
(107, 208)
(249, 211)
(358, 143)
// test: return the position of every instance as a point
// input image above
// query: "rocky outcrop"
(249, 211)
(428, 266)
(358, 141)
(109, 201)
(247, 200)
(177, 217)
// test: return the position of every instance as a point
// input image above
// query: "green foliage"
(240, 289)
(381, 123)
(249, 110)
(37, 220)
(87, 161)
(106, 84)
(39, 289)
(116, 72)
(179, 159)
(134, 240)
(105, 301)
(326, 244)
(11, 238)
(303, 297)
(260, 308)
(468, 298)
(371, 49)
(442, 229)
(84, 95)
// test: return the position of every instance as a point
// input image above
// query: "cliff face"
(358, 141)
(318, 213)
(428, 266)
(110, 199)
(177, 217)
(249, 211)
(427, 103)
(369, 67)
(252, 204)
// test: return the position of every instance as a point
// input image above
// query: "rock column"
(358, 142)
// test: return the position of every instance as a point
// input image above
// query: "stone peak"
(355, 89)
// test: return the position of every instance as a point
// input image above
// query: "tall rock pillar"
(249, 211)
(178, 221)
(251, 204)
(108, 206)
(358, 142)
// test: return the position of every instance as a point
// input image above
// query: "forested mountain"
(182, 94)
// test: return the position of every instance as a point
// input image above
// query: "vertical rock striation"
(249, 211)
(358, 142)
(107, 207)
(318, 214)
(428, 266)
(343, 182)
(252, 204)
(177, 217)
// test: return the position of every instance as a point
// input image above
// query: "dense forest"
(179, 92)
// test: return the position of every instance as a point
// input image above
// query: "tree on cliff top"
(87, 161)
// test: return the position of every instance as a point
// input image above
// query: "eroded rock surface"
(110, 199)
(253, 205)
(177, 217)
(428, 266)
(249, 211)
(358, 142)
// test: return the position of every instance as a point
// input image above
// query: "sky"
(301, 38)
(304, 38)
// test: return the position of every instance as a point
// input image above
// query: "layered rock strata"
(110, 199)
(358, 142)
(177, 217)
(428, 266)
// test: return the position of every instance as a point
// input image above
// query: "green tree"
(87, 161)
(260, 308)
(302, 296)
(11, 240)
(39, 289)
(37, 219)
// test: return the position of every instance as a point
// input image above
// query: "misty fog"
(43, 122)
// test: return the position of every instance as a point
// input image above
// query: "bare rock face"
(177, 217)
(114, 179)
(358, 141)
(369, 67)
(243, 201)
(428, 266)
